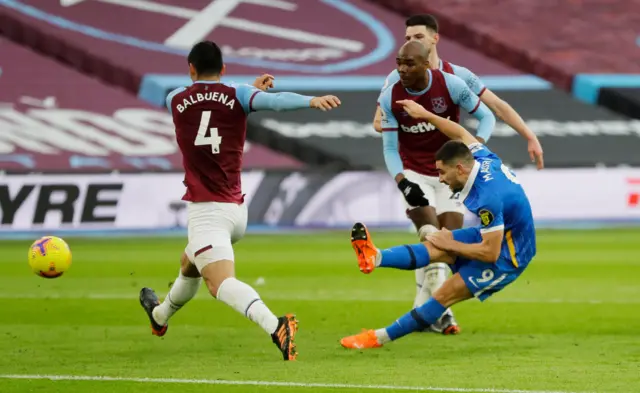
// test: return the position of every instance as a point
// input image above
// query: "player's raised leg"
(405, 257)
(183, 289)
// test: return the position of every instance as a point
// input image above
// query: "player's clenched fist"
(264, 82)
(413, 194)
(325, 103)
(414, 109)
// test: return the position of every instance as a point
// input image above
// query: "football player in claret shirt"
(483, 259)
(210, 118)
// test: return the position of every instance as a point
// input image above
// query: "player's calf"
(219, 277)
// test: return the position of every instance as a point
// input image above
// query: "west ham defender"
(484, 259)
(410, 145)
(210, 117)
(424, 28)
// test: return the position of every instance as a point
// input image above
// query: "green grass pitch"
(571, 323)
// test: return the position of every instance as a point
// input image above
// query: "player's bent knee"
(425, 231)
(187, 268)
(453, 291)
(214, 275)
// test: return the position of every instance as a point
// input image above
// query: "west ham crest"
(439, 104)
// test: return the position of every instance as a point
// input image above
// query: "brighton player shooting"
(409, 147)
(484, 259)
(210, 118)
(424, 28)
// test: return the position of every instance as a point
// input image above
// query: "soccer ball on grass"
(49, 257)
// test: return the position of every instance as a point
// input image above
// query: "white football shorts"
(438, 194)
(212, 228)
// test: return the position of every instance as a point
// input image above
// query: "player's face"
(451, 175)
(411, 69)
(427, 37)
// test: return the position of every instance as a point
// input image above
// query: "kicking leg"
(407, 257)
(183, 289)
(453, 291)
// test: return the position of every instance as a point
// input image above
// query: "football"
(49, 257)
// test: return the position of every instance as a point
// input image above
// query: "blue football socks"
(416, 319)
(410, 257)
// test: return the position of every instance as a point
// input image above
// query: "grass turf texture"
(569, 324)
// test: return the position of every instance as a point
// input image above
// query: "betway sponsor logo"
(569, 128)
(330, 129)
(420, 127)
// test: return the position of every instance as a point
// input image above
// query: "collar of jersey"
(472, 178)
(207, 82)
(419, 93)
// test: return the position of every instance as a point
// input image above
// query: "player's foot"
(446, 325)
(364, 340)
(149, 301)
(364, 248)
(284, 336)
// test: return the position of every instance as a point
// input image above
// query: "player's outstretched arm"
(451, 129)
(291, 101)
(509, 115)
(253, 99)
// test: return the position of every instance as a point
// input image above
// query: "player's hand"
(412, 193)
(325, 103)
(414, 109)
(442, 239)
(264, 82)
(535, 152)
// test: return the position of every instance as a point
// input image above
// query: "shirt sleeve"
(481, 151)
(253, 99)
(466, 99)
(391, 80)
(491, 217)
(470, 79)
(170, 98)
(388, 120)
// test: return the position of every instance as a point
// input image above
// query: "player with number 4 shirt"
(210, 117)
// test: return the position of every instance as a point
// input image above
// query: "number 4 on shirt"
(213, 139)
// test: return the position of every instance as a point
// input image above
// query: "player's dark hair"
(206, 58)
(427, 20)
(453, 152)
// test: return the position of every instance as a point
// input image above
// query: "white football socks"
(422, 293)
(382, 336)
(245, 300)
(182, 290)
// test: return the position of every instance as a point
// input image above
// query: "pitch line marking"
(267, 383)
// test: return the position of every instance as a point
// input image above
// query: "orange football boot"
(364, 248)
(364, 340)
